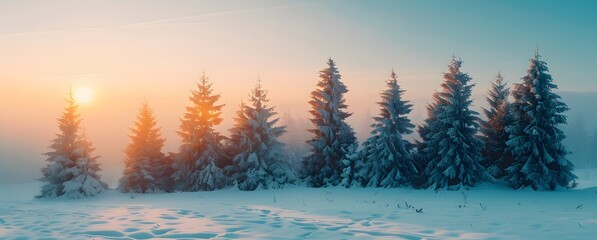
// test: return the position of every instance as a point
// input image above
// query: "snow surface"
(485, 212)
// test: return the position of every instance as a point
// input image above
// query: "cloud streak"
(195, 19)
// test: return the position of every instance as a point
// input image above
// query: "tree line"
(519, 141)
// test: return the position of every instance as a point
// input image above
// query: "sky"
(128, 52)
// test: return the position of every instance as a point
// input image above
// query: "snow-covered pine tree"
(386, 153)
(424, 130)
(256, 150)
(334, 139)
(72, 170)
(451, 148)
(496, 155)
(147, 169)
(516, 129)
(200, 159)
(349, 146)
(535, 139)
(238, 146)
(352, 168)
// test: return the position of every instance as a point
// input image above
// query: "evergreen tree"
(496, 155)
(535, 139)
(386, 154)
(352, 168)
(424, 130)
(72, 170)
(239, 146)
(334, 139)
(517, 128)
(201, 156)
(451, 148)
(257, 152)
(147, 169)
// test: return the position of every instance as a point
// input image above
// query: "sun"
(83, 95)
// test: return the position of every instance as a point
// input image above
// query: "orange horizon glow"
(116, 55)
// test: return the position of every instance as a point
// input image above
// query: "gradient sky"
(131, 51)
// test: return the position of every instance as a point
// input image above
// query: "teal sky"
(131, 51)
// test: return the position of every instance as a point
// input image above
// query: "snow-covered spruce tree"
(200, 159)
(386, 154)
(451, 148)
(352, 168)
(72, 170)
(334, 139)
(496, 155)
(535, 139)
(146, 169)
(238, 145)
(425, 129)
(516, 129)
(257, 153)
(351, 163)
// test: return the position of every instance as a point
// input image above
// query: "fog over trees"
(520, 140)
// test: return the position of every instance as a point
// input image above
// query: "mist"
(134, 51)
(21, 159)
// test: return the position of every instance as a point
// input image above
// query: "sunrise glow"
(284, 119)
(83, 95)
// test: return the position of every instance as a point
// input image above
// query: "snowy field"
(486, 212)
